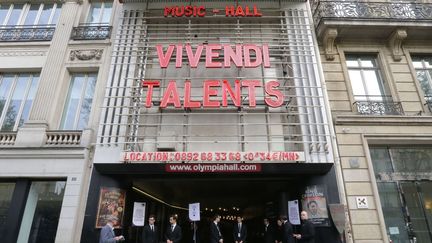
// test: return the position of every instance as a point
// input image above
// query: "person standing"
(240, 231)
(278, 231)
(107, 234)
(173, 234)
(150, 231)
(307, 230)
(287, 231)
(268, 232)
(215, 233)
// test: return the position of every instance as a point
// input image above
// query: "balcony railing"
(374, 105)
(396, 11)
(7, 138)
(57, 138)
(26, 33)
(91, 32)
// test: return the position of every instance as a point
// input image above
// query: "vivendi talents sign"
(240, 56)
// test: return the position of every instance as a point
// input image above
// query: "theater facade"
(219, 103)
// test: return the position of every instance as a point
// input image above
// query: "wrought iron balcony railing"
(362, 10)
(91, 32)
(374, 105)
(26, 33)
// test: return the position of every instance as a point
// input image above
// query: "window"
(405, 191)
(423, 67)
(369, 89)
(6, 191)
(17, 92)
(79, 101)
(366, 81)
(100, 13)
(29, 14)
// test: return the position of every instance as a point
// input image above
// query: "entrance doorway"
(253, 199)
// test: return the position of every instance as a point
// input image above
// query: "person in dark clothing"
(307, 230)
(287, 231)
(268, 232)
(173, 234)
(278, 231)
(150, 231)
(215, 233)
(239, 231)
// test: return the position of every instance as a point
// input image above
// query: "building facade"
(218, 103)
(53, 58)
(376, 62)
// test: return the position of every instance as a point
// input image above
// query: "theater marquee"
(215, 84)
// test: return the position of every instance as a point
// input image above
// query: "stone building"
(376, 59)
(54, 60)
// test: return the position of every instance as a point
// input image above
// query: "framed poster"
(111, 205)
(314, 202)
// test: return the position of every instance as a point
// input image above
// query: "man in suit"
(215, 233)
(150, 231)
(268, 232)
(307, 230)
(173, 233)
(107, 232)
(239, 231)
(287, 231)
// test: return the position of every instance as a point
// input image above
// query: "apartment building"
(376, 58)
(54, 60)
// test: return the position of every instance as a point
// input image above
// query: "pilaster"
(50, 78)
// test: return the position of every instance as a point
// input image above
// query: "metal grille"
(299, 125)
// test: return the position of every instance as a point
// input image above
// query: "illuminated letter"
(251, 84)
(230, 55)
(194, 59)
(188, 103)
(273, 92)
(229, 11)
(239, 11)
(168, 11)
(210, 92)
(266, 56)
(150, 85)
(236, 97)
(164, 59)
(179, 55)
(210, 55)
(201, 11)
(171, 96)
(247, 55)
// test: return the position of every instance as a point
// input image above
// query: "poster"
(111, 205)
(314, 202)
(293, 212)
(194, 212)
(138, 214)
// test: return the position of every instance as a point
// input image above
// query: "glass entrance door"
(417, 198)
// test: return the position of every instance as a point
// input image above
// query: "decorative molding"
(11, 53)
(85, 55)
(395, 43)
(329, 43)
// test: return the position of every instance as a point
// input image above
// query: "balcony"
(382, 105)
(91, 32)
(22, 33)
(357, 20)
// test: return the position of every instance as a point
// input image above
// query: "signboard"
(314, 202)
(176, 157)
(138, 217)
(194, 212)
(213, 168)
(293, 212)
(337, 212)
(362, 202)
(111, 205)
